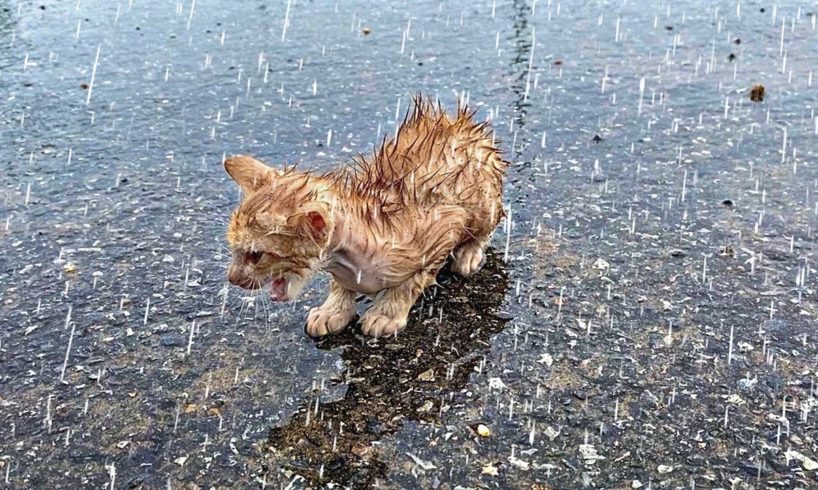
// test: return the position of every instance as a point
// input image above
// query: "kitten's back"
(434, 158)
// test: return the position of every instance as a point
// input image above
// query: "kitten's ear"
(248, 172)
(315, 225)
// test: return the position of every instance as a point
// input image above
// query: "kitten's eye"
(253, 256)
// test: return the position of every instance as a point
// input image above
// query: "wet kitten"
(383, 227)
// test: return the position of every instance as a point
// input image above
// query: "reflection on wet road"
(390, 382)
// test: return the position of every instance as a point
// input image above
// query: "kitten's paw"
(326, 321)
(468, 259)
(378, 325)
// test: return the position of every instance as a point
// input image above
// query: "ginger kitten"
(383, 227)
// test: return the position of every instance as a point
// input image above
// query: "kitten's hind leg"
(334, 315)
(389, 312)
(469, 256)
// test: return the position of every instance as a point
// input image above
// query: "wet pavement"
(648, 320)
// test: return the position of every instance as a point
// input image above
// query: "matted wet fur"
(383, 226)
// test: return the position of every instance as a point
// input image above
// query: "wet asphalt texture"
(647, 318)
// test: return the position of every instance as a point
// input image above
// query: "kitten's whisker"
(265, 303)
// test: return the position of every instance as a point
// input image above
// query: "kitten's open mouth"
(278, 290)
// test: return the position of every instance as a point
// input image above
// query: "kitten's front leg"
(389, 312)
(443, 228)
(335, 314)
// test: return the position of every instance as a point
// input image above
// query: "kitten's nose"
(242, 281)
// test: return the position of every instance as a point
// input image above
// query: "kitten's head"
(280, 231)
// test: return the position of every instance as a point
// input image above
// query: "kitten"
(383, 227)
